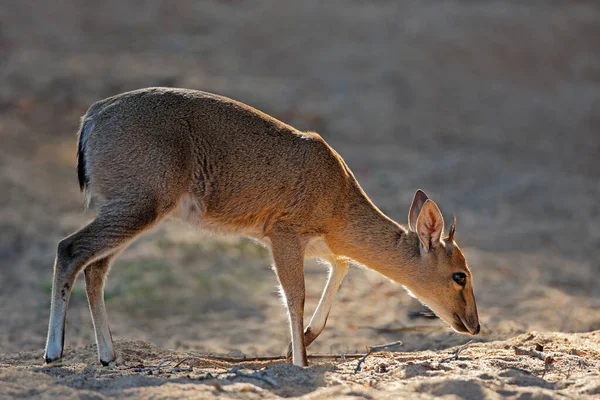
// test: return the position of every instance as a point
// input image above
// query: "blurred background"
(491, 107)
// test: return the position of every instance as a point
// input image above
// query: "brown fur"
(225, 166)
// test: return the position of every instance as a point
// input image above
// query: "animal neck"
(371, 238)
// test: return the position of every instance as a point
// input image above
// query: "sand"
(481, 370)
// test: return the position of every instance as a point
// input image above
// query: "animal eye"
(459, 278)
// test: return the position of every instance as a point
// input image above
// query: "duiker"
(224, 166)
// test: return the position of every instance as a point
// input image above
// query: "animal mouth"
(461, 327)
(458, 325)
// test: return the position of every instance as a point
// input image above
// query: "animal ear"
(415, 208)
(430, 225)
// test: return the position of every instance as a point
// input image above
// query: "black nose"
(477, 330)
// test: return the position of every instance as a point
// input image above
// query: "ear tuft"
(415, 209)
(430, 225)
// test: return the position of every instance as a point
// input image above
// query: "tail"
(87, 125)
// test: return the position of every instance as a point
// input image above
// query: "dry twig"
(260, 375)
(414, 328)
(169, 360)
(272, 358)
(545, 357)
(236, 359)
(256, 374)
(454, 355)
(199, 358)
(374, 349)
(190, 368)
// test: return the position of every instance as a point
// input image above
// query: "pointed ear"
(417, 203)
(430, 225)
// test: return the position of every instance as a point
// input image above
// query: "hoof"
(52, 361)
(301, 364)
(111, 361)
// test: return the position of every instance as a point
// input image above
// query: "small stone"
(539, 347)
(529, 337)
(575, 352)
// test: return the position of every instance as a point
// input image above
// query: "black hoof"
(49, 360)
(105, 363)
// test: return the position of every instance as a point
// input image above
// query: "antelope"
(226, 167)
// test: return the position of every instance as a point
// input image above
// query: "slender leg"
(288, 254)
(95, 276)
(113, 228)
(338, 271)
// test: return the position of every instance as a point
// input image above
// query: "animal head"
(442, 279)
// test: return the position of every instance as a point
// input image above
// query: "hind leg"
(115, 226)
(95, 276)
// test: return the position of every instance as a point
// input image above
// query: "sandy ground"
(492, 107)
(569, 367)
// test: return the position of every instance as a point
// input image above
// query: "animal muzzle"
(464, 325)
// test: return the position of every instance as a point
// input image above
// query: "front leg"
(288, 254)
(339, 268)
